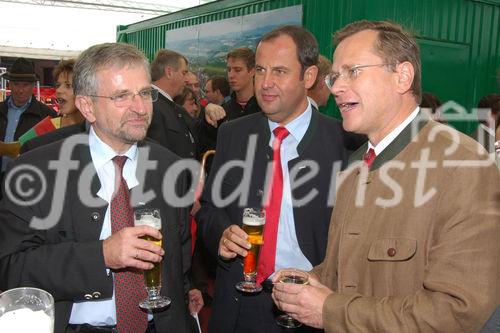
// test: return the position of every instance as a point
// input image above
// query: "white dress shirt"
(103, 312)
(288, 253)
(386, 141)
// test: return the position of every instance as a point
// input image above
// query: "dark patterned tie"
(268, 252)
(369, 157)
(129, 285)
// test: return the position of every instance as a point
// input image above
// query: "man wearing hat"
(20, 111)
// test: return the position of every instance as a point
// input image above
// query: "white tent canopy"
(35, 53)
(45, 30)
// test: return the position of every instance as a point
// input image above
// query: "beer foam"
(253, 221)
(26, 321)
(149, 220)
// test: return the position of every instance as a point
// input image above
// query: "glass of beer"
(253, 224)
(152, 277)
(291, 276)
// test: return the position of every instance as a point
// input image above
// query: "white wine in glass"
(297, 277)
(152, 277)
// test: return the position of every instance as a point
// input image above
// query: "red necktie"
(129, 285)
(369, 157)
(268, 252)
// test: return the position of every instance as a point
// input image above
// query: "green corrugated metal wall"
(459, 39)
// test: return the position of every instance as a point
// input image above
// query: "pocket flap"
(392, 249)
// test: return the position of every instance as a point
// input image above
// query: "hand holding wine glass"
(296, 277)
(303, 301)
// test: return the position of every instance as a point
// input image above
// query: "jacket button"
(391, 252)
(96, 294)
(87, 296)
(95, 216)
(236, 299)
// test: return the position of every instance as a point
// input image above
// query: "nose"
(267, 80)
(339, 86)
(139, 105)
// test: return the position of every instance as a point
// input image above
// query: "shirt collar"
(393, 134)
(23, 107)
(163, 92)
(298, 126)
(102, 153)
(313, 102)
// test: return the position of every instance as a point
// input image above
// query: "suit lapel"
(90, 217)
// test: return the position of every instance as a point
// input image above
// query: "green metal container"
(459, 39)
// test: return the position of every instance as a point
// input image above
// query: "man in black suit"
(286, 61)
(66, 241)
(172, 126)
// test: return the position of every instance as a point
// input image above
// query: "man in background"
(21, 110)
(194, 83)
(217, 90)
(172, 126)
(240, 74)
(319, 93)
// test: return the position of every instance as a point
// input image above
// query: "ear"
(86, 107)
(167, 71)
(405, 75)
(252, 71)
(310, 76)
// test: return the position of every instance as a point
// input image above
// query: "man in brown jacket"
(414, 239)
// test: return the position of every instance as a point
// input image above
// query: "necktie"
(268, 252)
(369, 157)
(129, 285)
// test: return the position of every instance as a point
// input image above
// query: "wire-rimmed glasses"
(349, 74)
(126, 98)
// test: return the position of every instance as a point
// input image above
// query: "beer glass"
(26, 310)
(152, 277)
(253, 224)
(291, 276)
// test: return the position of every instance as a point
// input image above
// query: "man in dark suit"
(69, 241)
(285, 68)
(172, 126)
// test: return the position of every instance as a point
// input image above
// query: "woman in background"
(63, 75)
(187, 99)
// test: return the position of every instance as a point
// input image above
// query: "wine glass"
(297, 277)
(253, 224)
(152, 277)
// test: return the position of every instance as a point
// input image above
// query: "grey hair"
(163, 59)
(103, 56)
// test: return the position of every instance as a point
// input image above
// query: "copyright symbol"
(19, 185)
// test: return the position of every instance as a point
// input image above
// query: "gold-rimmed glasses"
(349, 74)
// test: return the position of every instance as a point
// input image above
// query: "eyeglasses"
(349, 74)
(127, 98)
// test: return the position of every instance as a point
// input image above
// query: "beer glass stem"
(249, 277)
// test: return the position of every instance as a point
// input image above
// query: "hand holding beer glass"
(297, 277)
(151, 217)
(253, 224)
